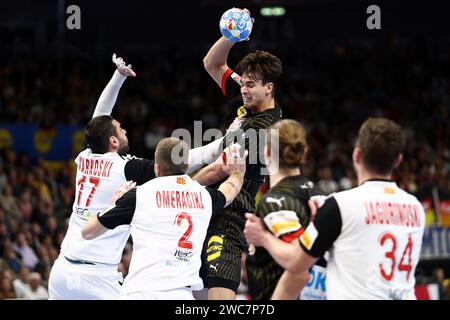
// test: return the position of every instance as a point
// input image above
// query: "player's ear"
(398, 160)
(269, 87)
(157, 169)
(113, 141)
(356, 155)
(267, 154)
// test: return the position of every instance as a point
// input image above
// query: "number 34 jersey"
(98, 177)
(374, 236)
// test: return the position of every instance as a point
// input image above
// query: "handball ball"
(236, 25)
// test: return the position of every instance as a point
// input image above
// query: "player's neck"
(283, 173)
(267, 104)
(365, 175)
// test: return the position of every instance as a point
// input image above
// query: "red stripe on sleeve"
(225, 76)
(292, 236)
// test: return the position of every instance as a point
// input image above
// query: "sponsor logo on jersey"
(215, 246)
(183, 255)
(307, 185)
(181, 180)
(275, 200)
(309, 236)
(83, 213)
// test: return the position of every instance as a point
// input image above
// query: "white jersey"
(98, 178)
(374, 236)
(169, 217)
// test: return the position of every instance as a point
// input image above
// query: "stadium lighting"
(273, 11)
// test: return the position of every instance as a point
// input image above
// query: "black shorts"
(222, 250)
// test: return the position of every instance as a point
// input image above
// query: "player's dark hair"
(172, 156)
(292, 143)
(381, 142)
(261, 65)
(97, 133)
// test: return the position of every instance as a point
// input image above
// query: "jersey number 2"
(183, 242)
(391, 256)
(95, 183)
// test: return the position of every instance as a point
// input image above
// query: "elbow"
(212, 66)
(207, 63)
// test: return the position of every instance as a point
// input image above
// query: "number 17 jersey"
(98, 178)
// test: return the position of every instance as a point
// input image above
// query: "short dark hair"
(97, 133)
(381, 142)
(261, 65)
(166, 151)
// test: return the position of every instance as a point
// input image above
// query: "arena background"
(337, 72)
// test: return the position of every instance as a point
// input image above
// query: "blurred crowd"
(331, 88)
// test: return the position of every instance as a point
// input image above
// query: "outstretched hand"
(122, 67)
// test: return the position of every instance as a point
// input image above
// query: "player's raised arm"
(215, 61)
(109, 95)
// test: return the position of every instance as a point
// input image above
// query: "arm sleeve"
(320, 235)
(109, 95)
(286, 221)
(122, 213)
(231, 81)
(139, 170)
(198, 157)
(217, 197)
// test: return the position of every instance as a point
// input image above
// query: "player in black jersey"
(284, 208)
(255, 109)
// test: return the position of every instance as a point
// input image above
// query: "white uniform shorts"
(74, 281)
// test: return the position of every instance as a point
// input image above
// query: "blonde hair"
(292, 143)
(172, 156)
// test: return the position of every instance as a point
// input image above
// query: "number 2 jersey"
(98, 177)
(374, 237)
(169, 217)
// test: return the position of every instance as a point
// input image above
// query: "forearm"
(290, 285)
(284, 253)
(109, 95)
(232, 186)
(210, 174)
(93, 228)
(198, 157)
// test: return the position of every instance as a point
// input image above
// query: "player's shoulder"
(276, 199)
(128, 157)
(406, 195)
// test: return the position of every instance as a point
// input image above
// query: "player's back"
(285, 212)
(168, 229)
(98, 178)
(378, 248)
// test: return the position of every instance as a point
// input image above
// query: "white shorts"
(177, 294)
(70, 281)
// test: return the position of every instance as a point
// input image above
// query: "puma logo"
(307, 185)
(214, 266)
(275, 200)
